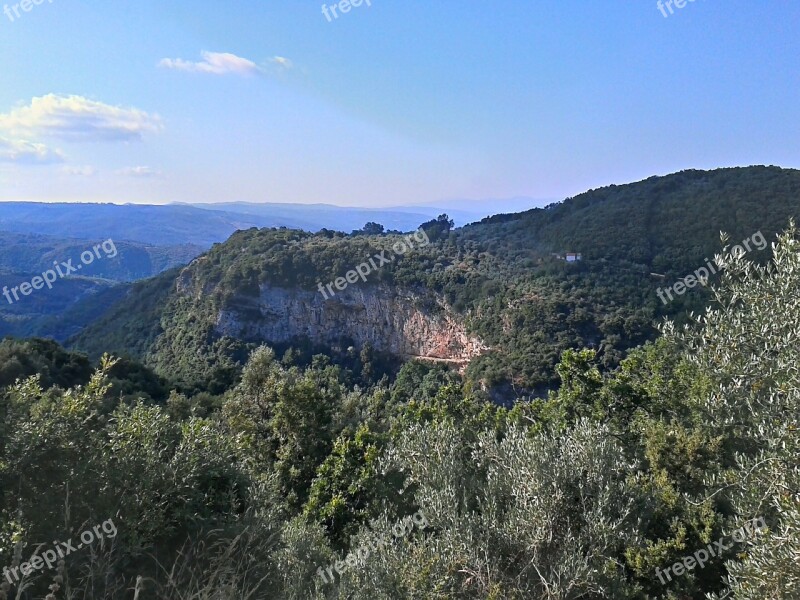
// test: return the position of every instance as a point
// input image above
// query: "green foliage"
(249, 481)
(348, 487)
(749, 344)
(437, 228)
(59, 313)
(21, 359)
(74, 302)
(32, 253)
(67, 466)
(288, 416)
(132, 325)
(372, 228)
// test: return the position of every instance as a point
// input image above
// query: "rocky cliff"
(404, 322)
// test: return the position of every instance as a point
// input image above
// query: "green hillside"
(58, 313)
(74, 301)
(500, 276)
(666, 224)
(124, 261)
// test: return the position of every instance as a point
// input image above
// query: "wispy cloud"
(139, 172)
(27, 153)
(78, 119)
(215, 63)
(223, 63)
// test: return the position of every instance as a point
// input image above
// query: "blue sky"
(395, 103)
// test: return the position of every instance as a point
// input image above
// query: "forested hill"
(499, 279)
(666, 223)
(125, 261)
(73, 301)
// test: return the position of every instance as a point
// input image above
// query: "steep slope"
(77, 299)
(394, 320)
(58, 313)
(259, 287)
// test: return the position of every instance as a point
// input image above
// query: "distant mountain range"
(202, 225)
(313, 217)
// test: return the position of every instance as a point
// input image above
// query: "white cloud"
(215, 63)
(87, 171)
(78, 119)
(139, 172)
(223, 63)
(27, 153)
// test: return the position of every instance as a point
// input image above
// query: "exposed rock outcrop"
(400, 321)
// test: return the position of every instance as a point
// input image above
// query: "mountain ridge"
(500, 277)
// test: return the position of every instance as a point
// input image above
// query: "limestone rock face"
(401, 321)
